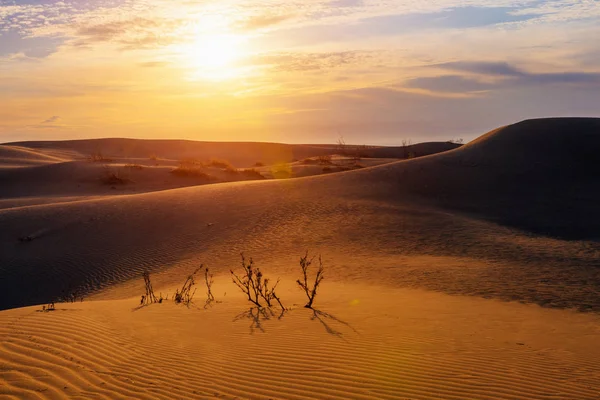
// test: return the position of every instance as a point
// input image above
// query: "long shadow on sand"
(257, 316)
(327, 320)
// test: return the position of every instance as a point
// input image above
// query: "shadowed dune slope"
(396, 219)
(541, 176)
(415, 150)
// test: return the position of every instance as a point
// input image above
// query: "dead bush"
(219, 163)
(149, 297)
(185, 294)
(311, 292)
(189, 171)
(325, 159)
(114, 177)
(208, 279)
(254, 285)
(134, 166)
(99, 157)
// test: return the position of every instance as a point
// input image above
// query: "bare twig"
(185, 294)
(311, 293)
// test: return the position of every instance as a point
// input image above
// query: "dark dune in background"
(466, 221)
(541, 176)
(240, 154)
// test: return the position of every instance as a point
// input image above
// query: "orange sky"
(374, 72)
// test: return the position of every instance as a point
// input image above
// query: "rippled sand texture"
(363, 343)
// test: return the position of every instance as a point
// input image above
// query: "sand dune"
(465, 222)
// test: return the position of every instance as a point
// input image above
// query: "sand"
(435, 286)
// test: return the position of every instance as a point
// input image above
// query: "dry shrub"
(254, 285)
(114, 177)
(149, 297)
(311, 292)
(189, 171)
(99, 157)
(134, 166)
(219, 163)
(185, 294)
(325, 159)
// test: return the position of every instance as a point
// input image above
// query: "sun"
(214, 51)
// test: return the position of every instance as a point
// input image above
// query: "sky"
(373, 72)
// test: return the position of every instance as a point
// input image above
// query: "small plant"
(311, 293)
(218, 163)
(134, 166)
(149, 297)
(325, 159)
(185, 294)
(259, 164)
(254, 286)
(190, 171)
(208, 279)
(99, 157)
(114, 177)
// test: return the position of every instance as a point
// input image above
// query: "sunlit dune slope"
(362, 343)
(17, 156)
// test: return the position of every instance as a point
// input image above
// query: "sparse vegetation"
(254, 285)
(324, 159)
(149, 297)
(311, 292)
(208, 279)
(185, 294)
(114, 177)
(191, 171)
(134, 166)
(99, 157)
(218, 163)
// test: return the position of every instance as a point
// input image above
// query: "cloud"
(262, 21)
(448, 84)
(292, 62)
(132, 33)
(483, 68)
(502, 69)
(50, 123)
(50, 120)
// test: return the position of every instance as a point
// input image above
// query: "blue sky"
(375, 72)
